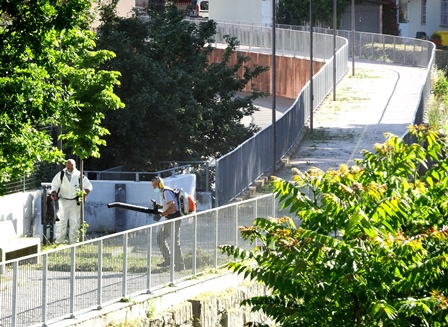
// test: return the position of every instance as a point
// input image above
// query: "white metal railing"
(61, 283)
(366, 46)
(136, 175)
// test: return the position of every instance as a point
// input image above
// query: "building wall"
(432, 17)
(367, 18)
(25, 209)
(243, 11)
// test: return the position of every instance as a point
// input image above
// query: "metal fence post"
(273, 206)
(173, 253)
(195, 244)
(395, 45)
(217, 183)
(100, 275)
(256, 216)
(125, 265)
(207, 176)
(44, 288)
(148, 259)
(216, 238)
(236, 225)
(15, 278)
(72, 281)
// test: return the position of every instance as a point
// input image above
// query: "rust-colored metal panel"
(292, 73)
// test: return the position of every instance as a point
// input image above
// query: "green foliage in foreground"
(372, 246)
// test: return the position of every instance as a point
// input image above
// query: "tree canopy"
(179, 105)
(49, 75)
(371, 249)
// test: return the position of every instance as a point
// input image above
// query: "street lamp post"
(311, 68)
(353, 37)
(334, 47)
(273, 86)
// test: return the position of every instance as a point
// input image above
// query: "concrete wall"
(208, 301)
(292, 73)
(25, 208)
(103, 219)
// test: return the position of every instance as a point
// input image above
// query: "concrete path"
(380, 98)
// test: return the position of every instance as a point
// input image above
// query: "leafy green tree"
(371, 249)
(179, 105)
(49, 75)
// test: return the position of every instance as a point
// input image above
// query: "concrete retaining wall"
(212, 301)
(25, 208)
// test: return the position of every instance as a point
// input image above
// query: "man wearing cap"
(170, 210)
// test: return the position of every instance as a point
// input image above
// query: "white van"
(202, 8)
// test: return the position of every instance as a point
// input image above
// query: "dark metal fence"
(238, 169)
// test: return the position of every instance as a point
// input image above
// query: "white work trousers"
(69, 216)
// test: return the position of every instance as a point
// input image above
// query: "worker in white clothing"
(64, 188)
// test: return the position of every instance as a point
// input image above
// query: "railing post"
(256, 216)
(405, 57)
(44, 288)
(207, 176)
(273, 205)
(15, 285)
(72, 281)
(217, 183)
(216, 239)
(236, 225)
(195, 245)
(100, 275)
(413, 54)
(395, 50)
(148, 259)
(125, 266)
(172, 226)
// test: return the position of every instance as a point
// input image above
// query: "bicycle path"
(379, 98)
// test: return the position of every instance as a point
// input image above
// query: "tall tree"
(49, 75)
(179, 105)
(372, 246)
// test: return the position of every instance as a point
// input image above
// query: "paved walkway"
(380, 98)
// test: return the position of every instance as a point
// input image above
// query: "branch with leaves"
(371, 249)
